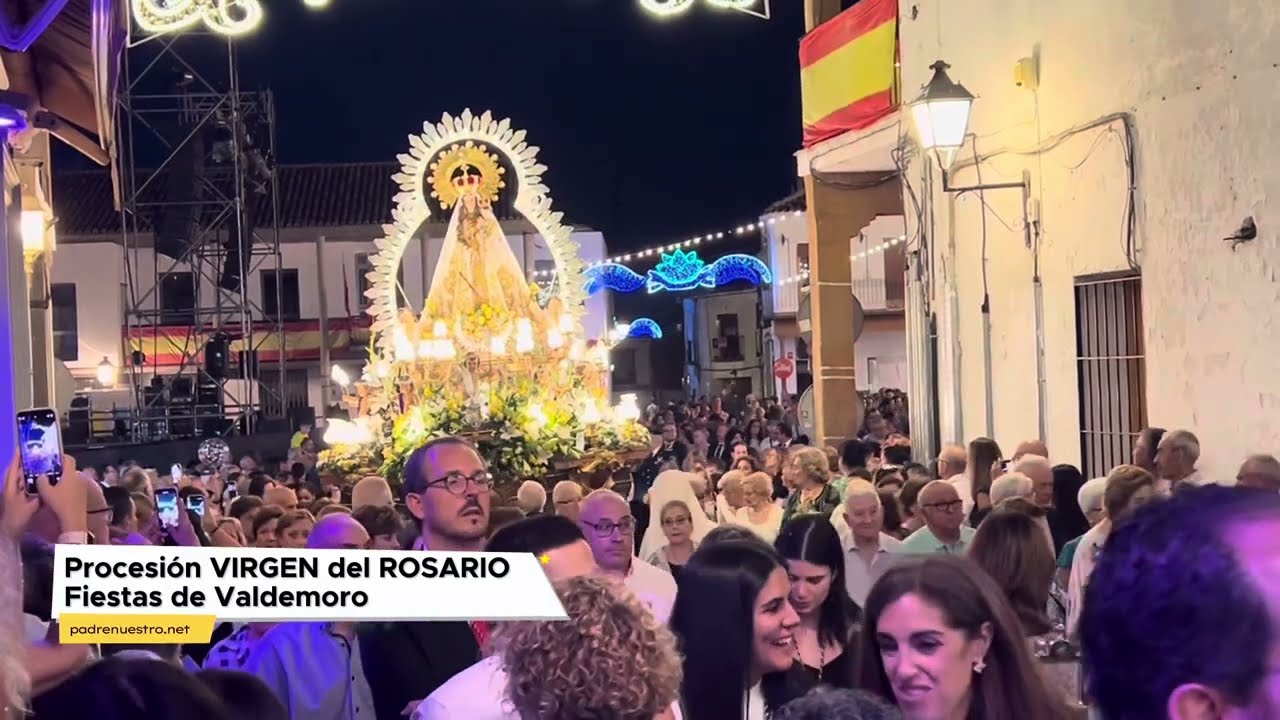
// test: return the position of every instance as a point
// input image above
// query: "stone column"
(840, 206)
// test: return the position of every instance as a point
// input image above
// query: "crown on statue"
(463, 169)
(467, 183)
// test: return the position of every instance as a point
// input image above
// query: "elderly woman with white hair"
(1090, 498)
(759, 513)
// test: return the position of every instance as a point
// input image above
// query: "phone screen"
(40, 443)
(231, 494)
(195, 503)
(167, 507)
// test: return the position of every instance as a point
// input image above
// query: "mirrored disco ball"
(215, 452)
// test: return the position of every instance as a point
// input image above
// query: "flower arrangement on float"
(491, 356)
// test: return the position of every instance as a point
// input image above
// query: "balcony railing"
(879, 293)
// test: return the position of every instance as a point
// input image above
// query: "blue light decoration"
(680, 270)
(612, 276)
(645, 328)
(684, 270)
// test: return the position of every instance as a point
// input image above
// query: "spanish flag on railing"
(847, 75)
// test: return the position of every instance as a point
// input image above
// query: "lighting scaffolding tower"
(200, 220)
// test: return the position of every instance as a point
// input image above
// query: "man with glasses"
(944, 530)
(446, 489)
(606, 521)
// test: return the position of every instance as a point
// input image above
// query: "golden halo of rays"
(468, 155)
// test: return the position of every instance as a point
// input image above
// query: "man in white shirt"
(606, 521)
(1176, 459)
(867, 549)
(952, 463)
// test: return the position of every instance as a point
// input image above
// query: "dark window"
(178, 298)
(1112, 373)
(728, 343)
(286, 303)
(802, 258)
(66, 337)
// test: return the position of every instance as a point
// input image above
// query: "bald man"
(607, 523)
(338, 532)
(944, 530)
(952, 463)
(1037, 468)
(1031, 447)
(282, 497)
(1261, 472)
(315, 667)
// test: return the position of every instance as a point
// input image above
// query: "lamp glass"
(32, 226)
(941, 124)
(106, 373)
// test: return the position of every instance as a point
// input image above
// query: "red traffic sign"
(784, 368)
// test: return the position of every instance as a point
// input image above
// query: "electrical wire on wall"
(1129, 242)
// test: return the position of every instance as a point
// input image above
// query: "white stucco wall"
(1197, 78)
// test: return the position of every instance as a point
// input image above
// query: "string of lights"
(696, 241)
(803, 275)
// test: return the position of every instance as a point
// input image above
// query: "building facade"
(330, 217)
(876, 259)
(724, 354)
(1123, 290)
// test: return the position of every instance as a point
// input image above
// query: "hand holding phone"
(40, 445)
(195, 503)
(167, 507)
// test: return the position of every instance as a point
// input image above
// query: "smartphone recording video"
(167, 507)
(195, 503)
(40, 445)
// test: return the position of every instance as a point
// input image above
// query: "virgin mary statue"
(477, 267)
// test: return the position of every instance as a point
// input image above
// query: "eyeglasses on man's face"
(949, 506)
(605, 528)
(457, 482)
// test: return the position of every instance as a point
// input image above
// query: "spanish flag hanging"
(847, 75)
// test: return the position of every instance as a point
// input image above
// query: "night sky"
(652, 129)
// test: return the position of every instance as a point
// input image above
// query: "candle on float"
(628, 408)
(524, 335)
(591, 413)
(440, 330)
(554, 338)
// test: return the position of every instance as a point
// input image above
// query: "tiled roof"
(337, 195)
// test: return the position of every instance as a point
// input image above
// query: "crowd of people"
(743, 573)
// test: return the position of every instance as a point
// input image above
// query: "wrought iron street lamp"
(941, 115)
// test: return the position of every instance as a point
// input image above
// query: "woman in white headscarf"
(673, 486)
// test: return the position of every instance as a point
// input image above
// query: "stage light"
(106, 374)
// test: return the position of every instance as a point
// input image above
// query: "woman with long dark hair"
(1066, 519)
(736, 630)
(983, 454)
(940, 641)
(815, 564)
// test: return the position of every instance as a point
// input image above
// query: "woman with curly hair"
(554, 669)
(811, 476)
